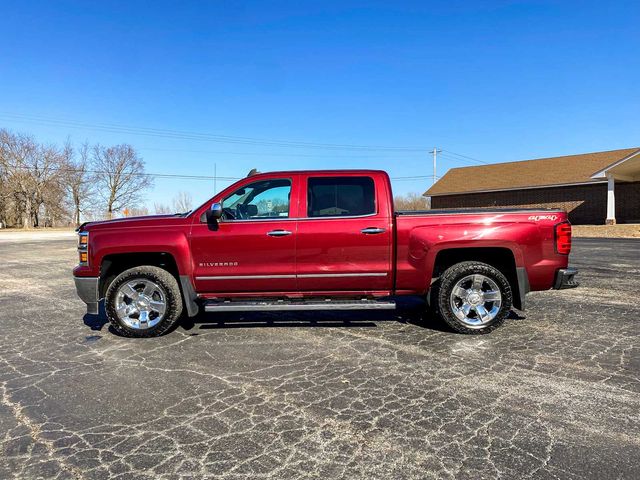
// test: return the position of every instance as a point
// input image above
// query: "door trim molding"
(339, 275)
(306, 275)
(244, 277)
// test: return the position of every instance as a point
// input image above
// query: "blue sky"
(497, 81)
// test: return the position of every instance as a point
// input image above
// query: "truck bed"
(525, 234)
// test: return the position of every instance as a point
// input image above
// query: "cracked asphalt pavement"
(552, 394)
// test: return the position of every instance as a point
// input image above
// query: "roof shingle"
(527, 173)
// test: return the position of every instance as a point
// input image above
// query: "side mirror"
(216, 210)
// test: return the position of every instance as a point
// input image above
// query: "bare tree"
(137, 211)
(183, 202)
(5, 194)
(79, 178)
(48, 186)
(120, 177)
(17, 156)
(161, 208)
(411, 201)
(31, 180)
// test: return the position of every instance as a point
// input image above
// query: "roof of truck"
(323, 172)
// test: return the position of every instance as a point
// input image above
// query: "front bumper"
(565, 278)
(87, 289)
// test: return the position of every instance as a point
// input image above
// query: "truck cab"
(297, 234)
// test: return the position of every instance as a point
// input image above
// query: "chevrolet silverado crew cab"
(319, 240)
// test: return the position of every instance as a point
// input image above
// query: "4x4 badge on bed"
(536, 218)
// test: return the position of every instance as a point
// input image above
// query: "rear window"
(340, 196)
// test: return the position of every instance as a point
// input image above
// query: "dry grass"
(631, 230)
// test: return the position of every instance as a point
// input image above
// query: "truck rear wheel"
(473, 297)
(143, 301)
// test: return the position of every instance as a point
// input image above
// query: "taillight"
(563, 238)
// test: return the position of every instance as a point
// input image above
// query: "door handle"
(279, 233)
(372, 230)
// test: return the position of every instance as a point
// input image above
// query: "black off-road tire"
(171, 290)
(442, 289)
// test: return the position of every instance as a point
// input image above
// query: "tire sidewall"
(452, 276)
(165, 281)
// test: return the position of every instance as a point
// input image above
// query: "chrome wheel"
(475, 300)
(140, 303)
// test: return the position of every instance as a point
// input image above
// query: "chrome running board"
(296, 305)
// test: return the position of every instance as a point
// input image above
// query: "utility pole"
(435, 153)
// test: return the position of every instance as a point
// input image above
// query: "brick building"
(594, 187)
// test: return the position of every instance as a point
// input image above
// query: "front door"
(344, 241)
(252, 247)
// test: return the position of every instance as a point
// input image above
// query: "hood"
(132, 222)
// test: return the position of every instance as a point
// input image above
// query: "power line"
(135, 174)
(177, 134)
(460, 161)
(173, 175)
(274, 154)
(402, 179)
(451, 158)
(185, 135)
(466, 157)
(411, 177)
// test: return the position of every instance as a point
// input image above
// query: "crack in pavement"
(34, 432)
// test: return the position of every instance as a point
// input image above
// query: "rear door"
(344, 237)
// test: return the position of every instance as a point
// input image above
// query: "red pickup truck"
(319, 240)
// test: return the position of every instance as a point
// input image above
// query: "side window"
(259, 200)
(340, 196)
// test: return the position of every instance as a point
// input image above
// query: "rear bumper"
(565, 278)
(87, 290)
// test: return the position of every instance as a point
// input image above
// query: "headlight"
(83, 248)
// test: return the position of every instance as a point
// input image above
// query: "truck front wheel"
(143, 301)
(473, 297)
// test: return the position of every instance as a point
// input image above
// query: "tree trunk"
(26, 217)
